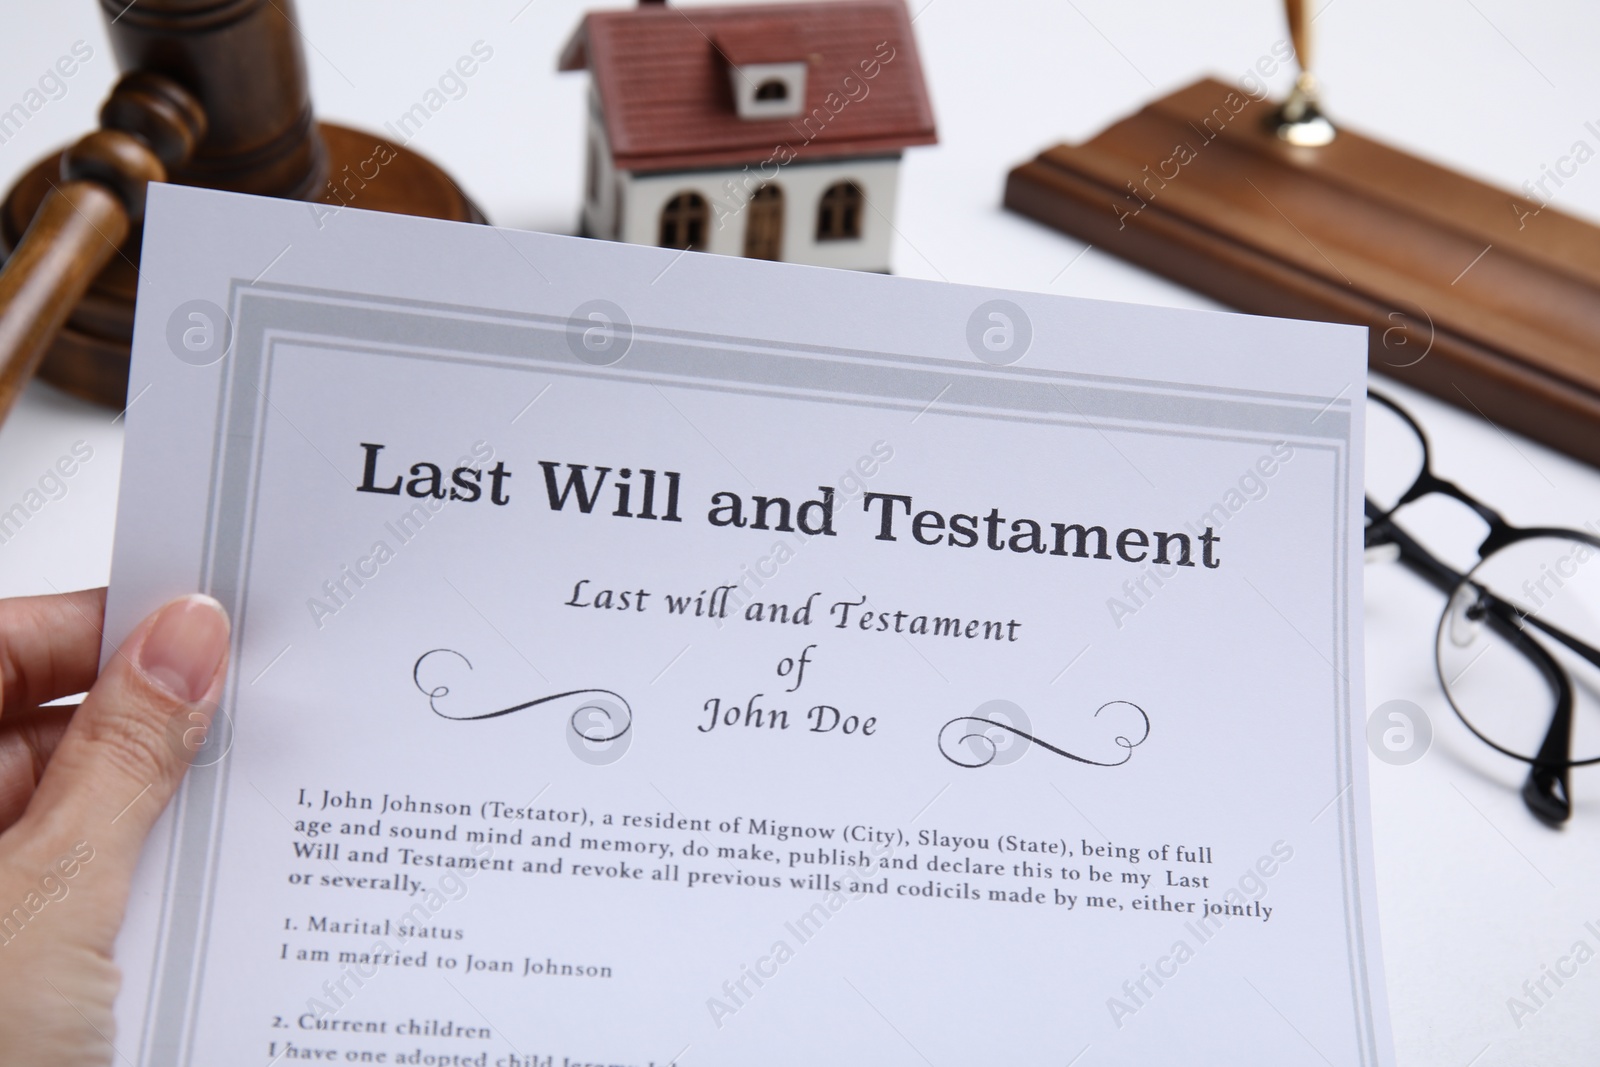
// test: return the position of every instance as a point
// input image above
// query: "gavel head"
(243, 61)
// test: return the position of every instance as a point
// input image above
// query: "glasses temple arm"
(1587, 651)
(1447, 579)
(1524, 619)
(1413, 556)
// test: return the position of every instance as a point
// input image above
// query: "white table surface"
(1476, 897)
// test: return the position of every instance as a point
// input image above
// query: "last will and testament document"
(649, 658)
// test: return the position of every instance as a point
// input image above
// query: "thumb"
(130, 742)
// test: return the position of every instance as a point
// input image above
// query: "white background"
(1476, 897)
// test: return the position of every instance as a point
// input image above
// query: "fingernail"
(185, 646)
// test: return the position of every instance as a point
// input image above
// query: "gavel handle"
(76, 231)
(148, 125)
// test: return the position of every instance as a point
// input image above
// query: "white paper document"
(647, 658)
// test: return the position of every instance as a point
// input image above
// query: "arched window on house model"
(839, 213)
(683, 222)
(763, 228)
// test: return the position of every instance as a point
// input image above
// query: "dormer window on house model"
(771, 132)
(766, 69)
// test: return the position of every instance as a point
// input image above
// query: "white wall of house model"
(627, 206)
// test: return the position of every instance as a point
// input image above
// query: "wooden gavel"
(214, 93)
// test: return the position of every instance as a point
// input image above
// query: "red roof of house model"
(662, 76)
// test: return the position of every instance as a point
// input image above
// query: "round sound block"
(90, 356)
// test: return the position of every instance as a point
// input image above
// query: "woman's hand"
(79, 790)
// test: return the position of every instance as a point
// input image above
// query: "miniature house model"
(771, 131)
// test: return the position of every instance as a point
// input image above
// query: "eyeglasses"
(1516, 647)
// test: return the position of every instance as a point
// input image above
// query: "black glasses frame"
(1546, 792)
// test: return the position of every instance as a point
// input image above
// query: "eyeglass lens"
(1395, 455)
(1546, 589)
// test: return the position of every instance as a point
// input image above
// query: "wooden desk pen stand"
(1479, 296)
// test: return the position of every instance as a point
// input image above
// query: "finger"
(27, 739)
(49, 646)
(130, 741)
